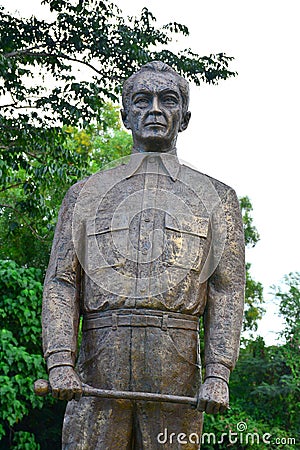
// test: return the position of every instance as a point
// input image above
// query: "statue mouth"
(155, 124)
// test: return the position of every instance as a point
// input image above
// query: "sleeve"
(61, 298)
(223, 313)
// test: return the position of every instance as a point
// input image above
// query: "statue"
(141, 251)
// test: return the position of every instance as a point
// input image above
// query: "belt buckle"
(138, 321)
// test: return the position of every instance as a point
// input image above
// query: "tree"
(21, 361)
(254, 289)
(43, 93)
(86, 150)
(95, 36)
(56, 131)
(289, 308)
(265, 386)
(264, 400)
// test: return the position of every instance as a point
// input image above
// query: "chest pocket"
(102, 237)
(185, 238)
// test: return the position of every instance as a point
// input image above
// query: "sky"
(243, 131)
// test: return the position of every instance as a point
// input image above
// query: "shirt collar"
(169, 160)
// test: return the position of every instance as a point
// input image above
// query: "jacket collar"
(169, 160)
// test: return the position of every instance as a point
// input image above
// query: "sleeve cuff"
(217, 370)
(63, 358)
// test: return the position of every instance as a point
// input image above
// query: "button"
(146, 219)
(144, 252)
(151, 159)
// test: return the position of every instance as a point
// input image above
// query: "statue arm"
(224, 309)
(60, 314)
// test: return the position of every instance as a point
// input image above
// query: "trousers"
(136, 351)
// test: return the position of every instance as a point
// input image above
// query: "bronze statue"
(141, 251)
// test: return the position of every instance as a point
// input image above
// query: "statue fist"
(213, 396)
(65, 383)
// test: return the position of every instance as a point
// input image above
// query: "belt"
(140, 318)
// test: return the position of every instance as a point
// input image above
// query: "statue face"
(155, 115)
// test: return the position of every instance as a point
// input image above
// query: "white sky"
(244, 131)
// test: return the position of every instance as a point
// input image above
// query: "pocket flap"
(188, 223)
(101, 225)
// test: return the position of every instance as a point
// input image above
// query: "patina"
(141, 251)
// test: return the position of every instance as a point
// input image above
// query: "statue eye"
(141, 102)
(170, 100)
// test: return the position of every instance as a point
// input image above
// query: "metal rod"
(148, 396)
(42, 388)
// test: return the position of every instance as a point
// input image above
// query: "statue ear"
(185, 121)
(125, 119)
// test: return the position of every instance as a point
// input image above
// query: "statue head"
(155, 107)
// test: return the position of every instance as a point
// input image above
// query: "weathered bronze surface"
(141, 251)
(42, 388)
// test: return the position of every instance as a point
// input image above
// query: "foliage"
(253, 301)
(250, 231)
(90, 148)
(57, 127)
(57, 75)
(27, 225)
(92, 35)
(33, 177)
(23, 440)
(263, 396)
(223, 432)
(254, 289)
(265, 385)
(21, 361)
(289, 309)
(263, 378)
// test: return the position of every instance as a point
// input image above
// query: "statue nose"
(155, 107)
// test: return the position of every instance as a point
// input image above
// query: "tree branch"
(28, 52)
(21, 52)
(33, 155)
(12, 186)
(9, 104)
(19, 107)
(69, 58)
(40, 238)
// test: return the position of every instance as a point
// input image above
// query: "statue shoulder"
(86, 192)
(74, 191)
(221, 188)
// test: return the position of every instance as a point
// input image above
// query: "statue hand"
(65, 383)
(213, 396)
